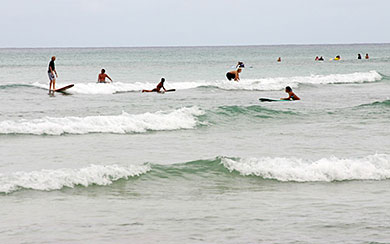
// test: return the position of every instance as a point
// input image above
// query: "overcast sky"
(111, 23)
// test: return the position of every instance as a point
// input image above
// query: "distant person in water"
(359, 56)
(240, 65)
(158, 88)
(367, 57)
(337, 57)
(51, 71)
(234, 74)
(102, 77)
(321, 59)
(317, 58)
(291, 94)
(279, 59)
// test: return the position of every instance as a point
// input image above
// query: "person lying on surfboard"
(102, 77)
(291, 94)
(234, 74)
(158, 88)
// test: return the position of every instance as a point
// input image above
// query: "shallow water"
(207, 163)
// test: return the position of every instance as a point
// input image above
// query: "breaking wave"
(46, 180)
(261, 84)
(183, 118)
(373, 167)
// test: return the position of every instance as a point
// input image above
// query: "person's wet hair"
(162, 79)
(288, 89)
(103, 71)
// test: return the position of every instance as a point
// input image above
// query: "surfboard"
(170, 90)
(262, 99)
(63, 89)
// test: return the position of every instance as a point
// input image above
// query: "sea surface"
(208, 163)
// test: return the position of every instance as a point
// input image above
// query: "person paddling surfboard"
(158, 88)
(291, 94)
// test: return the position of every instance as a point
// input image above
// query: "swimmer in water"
(102, 77)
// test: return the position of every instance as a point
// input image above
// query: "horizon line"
(189, 46)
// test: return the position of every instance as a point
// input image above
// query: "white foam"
(46, 180)
(262, 84)
(183, 118)
(374, 167)
(279, 83)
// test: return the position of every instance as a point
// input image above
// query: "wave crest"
(374, 167)
(184, 118)
(261, 84)
(47, 180)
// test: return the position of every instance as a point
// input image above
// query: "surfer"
(158, 88)
(240, 65)
(367, 57)
(321, 59)
(279, 60)
(291, 94)
(234, 74)
(102, 77)
(359, 56)
(51, 71)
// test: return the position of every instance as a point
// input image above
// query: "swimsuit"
(230, 76)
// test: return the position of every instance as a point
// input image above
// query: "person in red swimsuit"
(102, 77)
(158, 88)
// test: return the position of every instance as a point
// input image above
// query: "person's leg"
(54, 84)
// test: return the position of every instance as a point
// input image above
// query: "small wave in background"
(261, 84)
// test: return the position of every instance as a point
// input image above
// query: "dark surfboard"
(262, 99)
(63, 89)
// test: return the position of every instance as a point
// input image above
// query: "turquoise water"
(208, 163)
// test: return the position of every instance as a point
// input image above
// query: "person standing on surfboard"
(158, 88)
(51, 71)
(102, 77)
(233, 75)
(291, 94)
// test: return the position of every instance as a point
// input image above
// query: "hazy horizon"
(172, 23)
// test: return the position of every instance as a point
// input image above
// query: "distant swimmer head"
(288, 89)
(53, 58)
(162, 79)
(103, 71)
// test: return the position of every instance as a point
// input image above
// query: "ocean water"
(208, 163)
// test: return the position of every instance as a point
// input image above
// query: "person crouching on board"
(234, 74)
(158, 88)
(51, 71)
(291, 94)
(102, 77)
